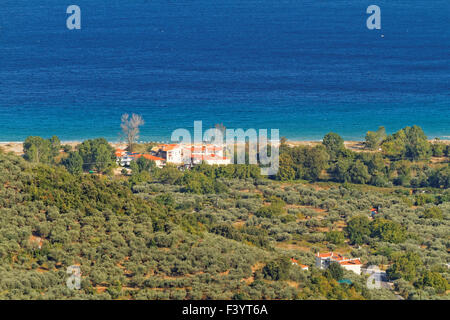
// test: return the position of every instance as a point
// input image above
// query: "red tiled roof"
(168, 147)
(294, 261)
(352, 262)
(119, 152)
(325, 255)
(147, 156)
(332, 255)
(339, 258)
(150, 157)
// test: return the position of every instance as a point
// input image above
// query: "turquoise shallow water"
(304, 67)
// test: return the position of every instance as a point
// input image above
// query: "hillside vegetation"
(215, 232)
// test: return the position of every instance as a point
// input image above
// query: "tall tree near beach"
(374, 139)
(408, 143)
(334, 144)
(74, 163)
(40, 150)
(130, 128)
(96, 154)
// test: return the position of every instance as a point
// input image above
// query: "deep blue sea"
(306, 67)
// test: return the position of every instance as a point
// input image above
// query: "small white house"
(323, 261)
(171, 153)
(158, 161)
(302, 266)
(124, 158)
(352, 265)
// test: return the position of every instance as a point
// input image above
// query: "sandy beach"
(17, 147)
(358, 146)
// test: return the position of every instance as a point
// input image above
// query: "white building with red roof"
(158, 161)
(302, 266)
(323, 261)
(178, 154)
(172, 153)
(192, 154)
(124, 158)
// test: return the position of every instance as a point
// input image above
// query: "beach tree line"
(95, 154)
(403, 160)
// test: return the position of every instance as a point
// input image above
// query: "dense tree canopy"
(334, 144)
(97, 154)
(410, 143)
(219, 232)
(374, 139)
(358, 229)
(400, 163)
(39, 150)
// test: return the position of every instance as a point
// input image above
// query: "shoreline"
(358, 146)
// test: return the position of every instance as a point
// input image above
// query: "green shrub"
(433, 213)
(277, 269)
(335, 237)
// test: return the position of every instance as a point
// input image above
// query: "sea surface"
(306, 67)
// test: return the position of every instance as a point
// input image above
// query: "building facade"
(323, 261)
